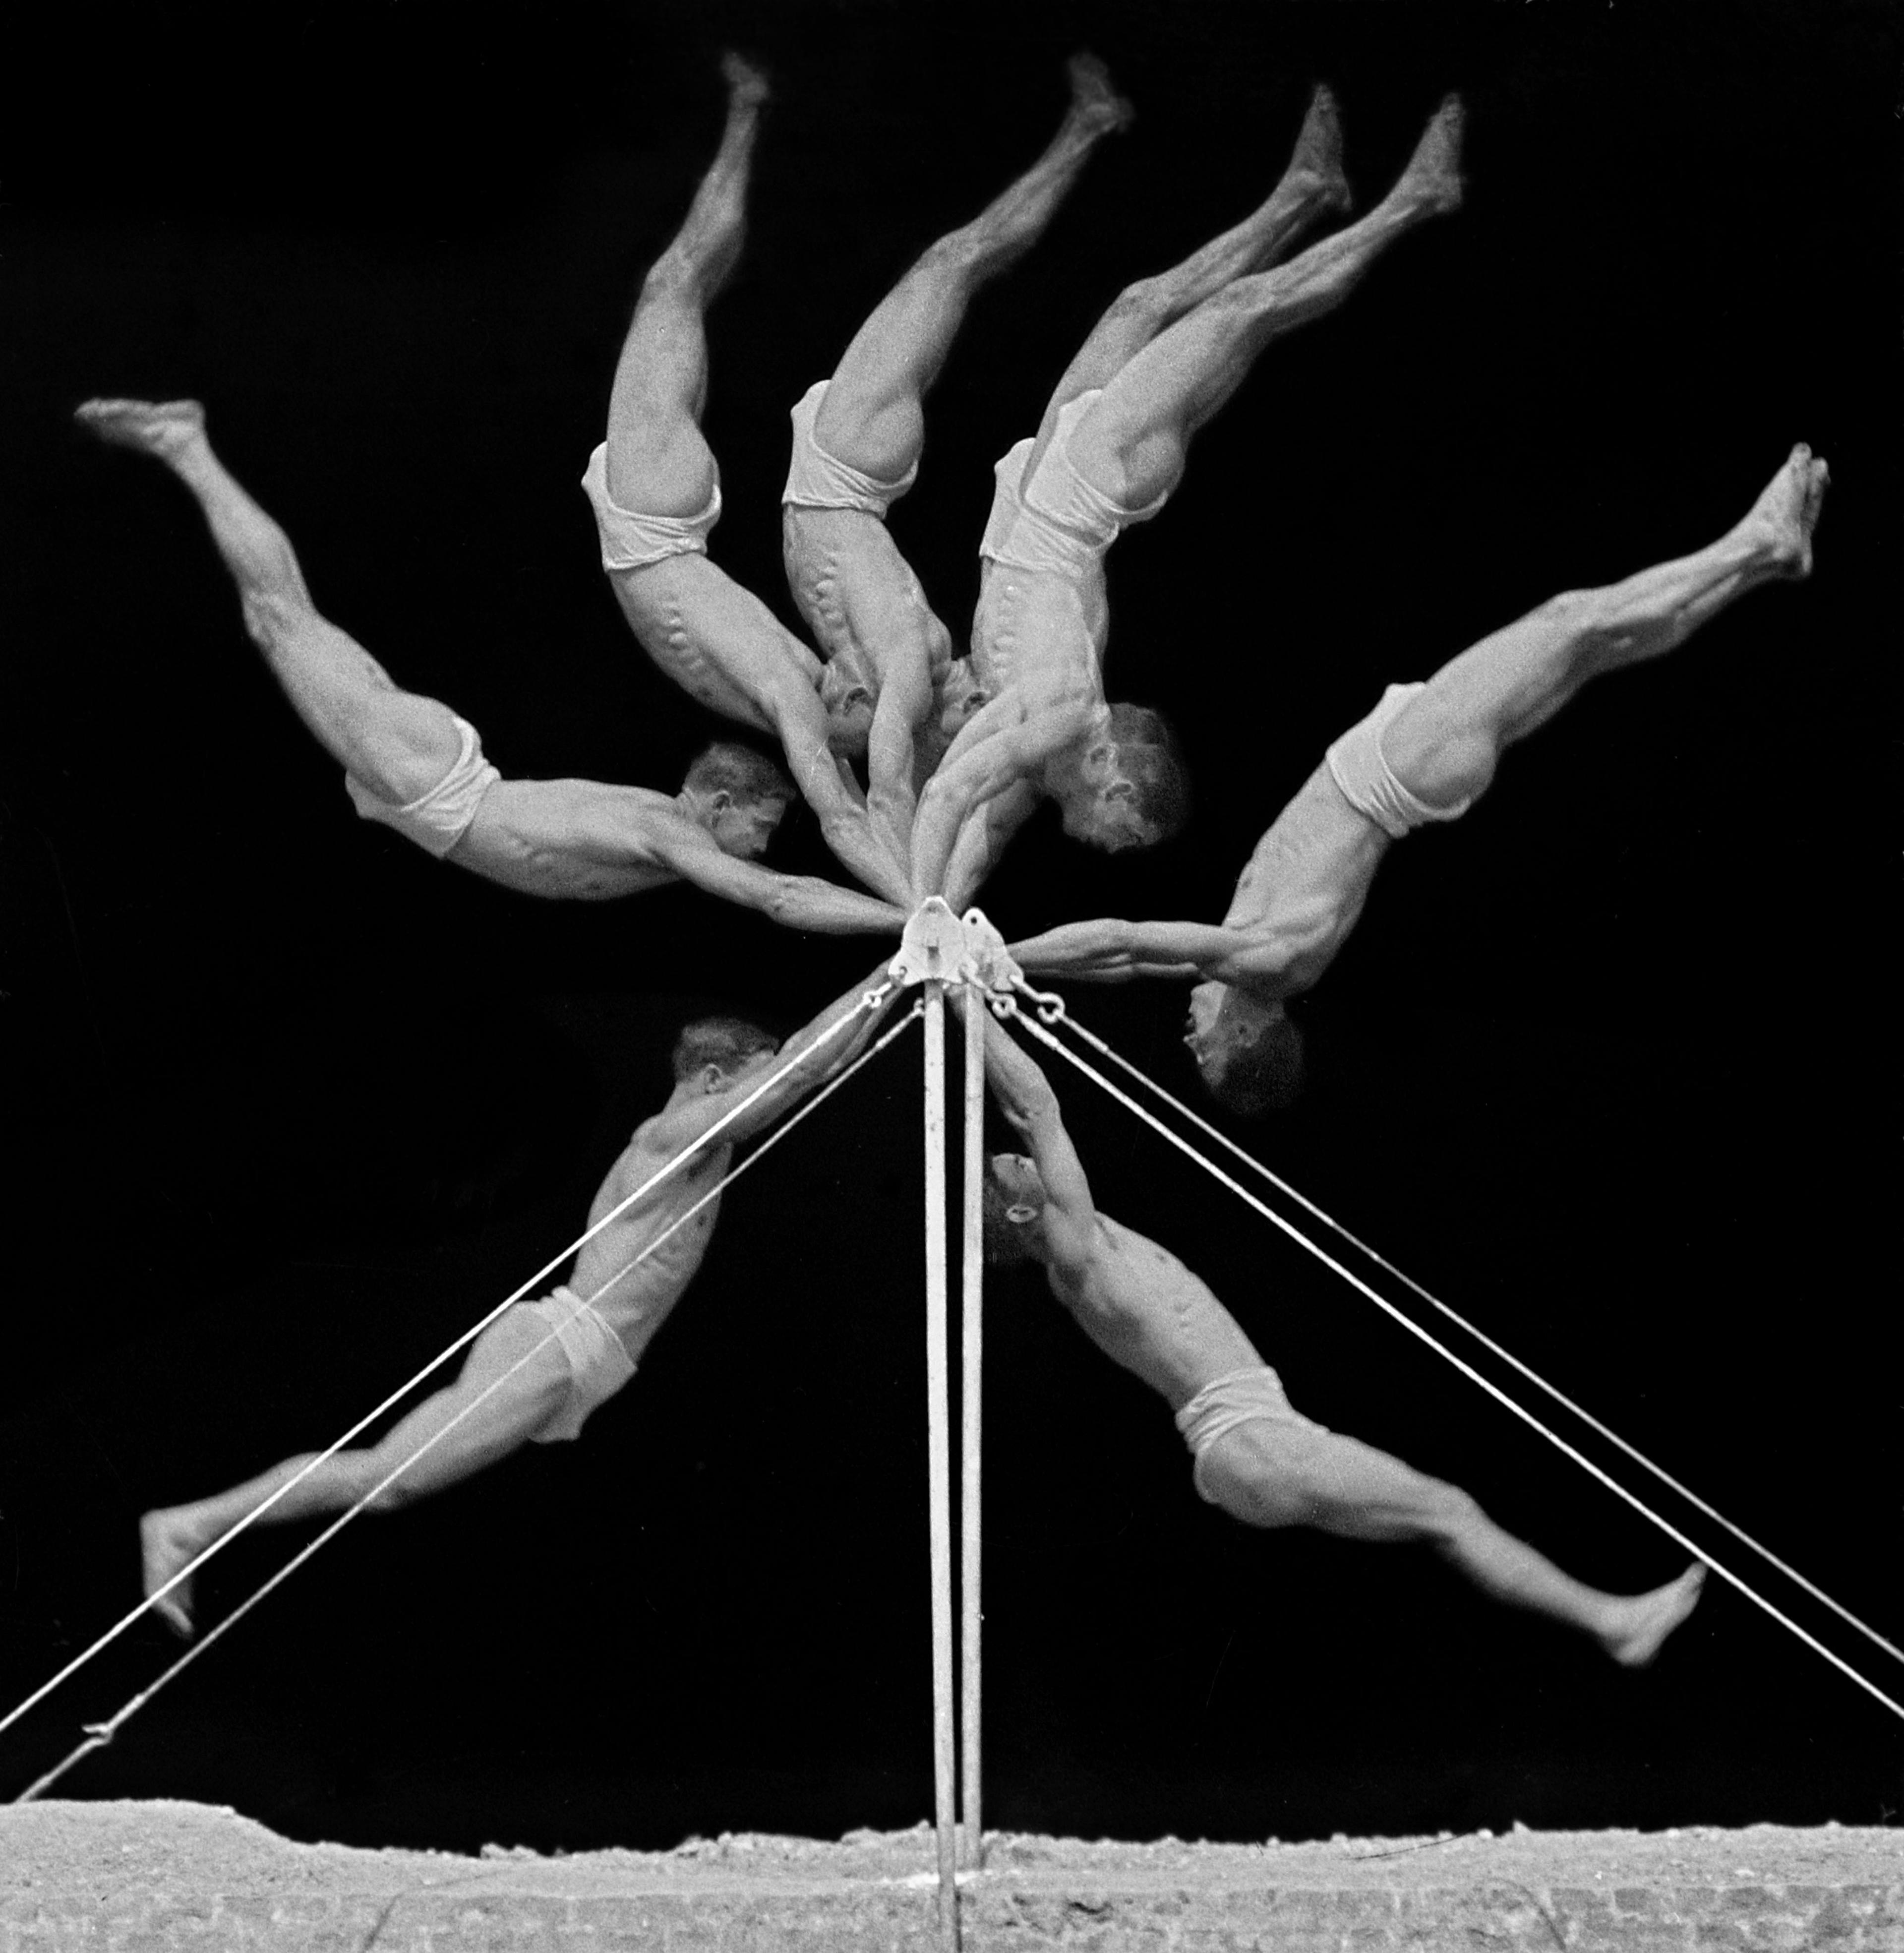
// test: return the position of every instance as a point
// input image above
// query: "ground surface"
(181, 1876)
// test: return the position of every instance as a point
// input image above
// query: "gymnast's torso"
(859, 596)
(1302, 890)
(571, 840)
(1144, 1309)
(635, 1298)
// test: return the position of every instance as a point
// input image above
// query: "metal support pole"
(939, 1464)
(972, 1384)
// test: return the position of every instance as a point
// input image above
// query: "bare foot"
(1787, 512)
(1318, 152)
(1433, 179)
(161, 428)
(746, 86)
(167, 1544)
(1642, 1624)
(1094, 102)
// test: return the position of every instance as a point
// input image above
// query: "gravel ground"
(167, 1875)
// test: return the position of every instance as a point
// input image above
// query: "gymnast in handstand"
(892, 687)
(657, 494)
(1426, 753)
(1110, 450)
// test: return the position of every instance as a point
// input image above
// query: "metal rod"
(972, 1314)
(939, 1413)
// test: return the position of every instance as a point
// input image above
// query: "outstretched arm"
(985, 837)
(799, 902)
(828, 788)
(991, 753)
(1110, 952)
(1025, 1098)
(905, 699)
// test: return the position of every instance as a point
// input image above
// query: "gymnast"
(1424, 753)
(1110, 450)
(547, 1366)
(1256, 1458)
(411, 763)
(657, 494)
(893, 689)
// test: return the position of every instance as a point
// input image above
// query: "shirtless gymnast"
(892, 688)
(413, 764)
(1109, 451)
(581, 1343)
(1255, 1457)
(1424, 753)
(657, 494)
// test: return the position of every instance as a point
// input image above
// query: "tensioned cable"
(871, 1000)
(1467, 1370)
(100, 1733)
(1480, 1336)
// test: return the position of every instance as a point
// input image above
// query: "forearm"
(1107, 949)
(821, 1051)
(1128, 973)
(890, 759)
(984, 838)
(830, 791)
(1023, 1092)
(848, 832)
(1073, 946)
(936, 823)
(808, 902)
(857, 849)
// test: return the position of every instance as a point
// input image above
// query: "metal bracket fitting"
(938, 948)
(988, 964)
(932, 949)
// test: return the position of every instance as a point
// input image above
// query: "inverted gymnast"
(1424, 753)
(1256, 1458)
(410, 762)
(554, 1361)
(656, 493)
(1111, 448)
(892, 687)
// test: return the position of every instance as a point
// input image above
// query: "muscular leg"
(657, 461)
(1131, 445)
(523, 1400)
(1443, 745)
(872, 417)
(1311, 188)
(1281, 1474)
(395, 743)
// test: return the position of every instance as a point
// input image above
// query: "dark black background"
(1610, 1064)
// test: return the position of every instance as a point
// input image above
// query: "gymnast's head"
(1248, 1049)
(1014, 1210)
(738, 795)
(1127, 787)
(849, 711)
(715, 1054)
